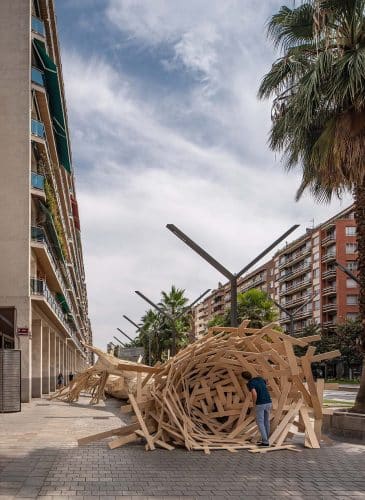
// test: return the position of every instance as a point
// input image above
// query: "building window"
(316, 240)
(316, 256)
(352, 300)
(351, 247)
(350, 230)
(351, 265)
(316, 305)
(315, 273)
(350, 283)
(352, 316)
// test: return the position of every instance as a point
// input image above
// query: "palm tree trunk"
(360, 221)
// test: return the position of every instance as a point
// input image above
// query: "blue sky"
(166, 128)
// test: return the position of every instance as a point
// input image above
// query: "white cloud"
(140, 173)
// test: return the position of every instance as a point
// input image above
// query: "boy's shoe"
(263, 444)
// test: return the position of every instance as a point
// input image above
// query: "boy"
(262, 401)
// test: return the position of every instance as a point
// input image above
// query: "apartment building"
(43, 298)
(303, 278)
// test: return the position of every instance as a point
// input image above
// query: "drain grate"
(43, 404)
(100, 418)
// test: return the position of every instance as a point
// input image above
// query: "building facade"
(43, 299)
(303, 278)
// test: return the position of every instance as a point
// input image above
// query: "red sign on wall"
(23, 331)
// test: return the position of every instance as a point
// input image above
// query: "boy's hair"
(246, 375)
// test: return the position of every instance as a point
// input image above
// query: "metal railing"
(37, 181)
(39, 287)
(37, 128)
(295, 256)
(328, 256)
(299, 270)
(299, 284)
(38, 26)
(329, 273)
(37, 76)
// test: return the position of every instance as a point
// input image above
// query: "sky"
(166, 128)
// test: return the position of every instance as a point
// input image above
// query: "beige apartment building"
(303, 278)
(43, 299)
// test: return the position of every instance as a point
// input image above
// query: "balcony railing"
(294, 286)
(329, 238)
(298, 300)
(294, 256)
(329, 290)
(38, 26)
(37, 181)
(299, 270)
(328, 256)
(330, 307)
(37, 77)
(39, 287)
(38, 129)
(330, 273)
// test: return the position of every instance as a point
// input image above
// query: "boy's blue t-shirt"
(259, 384)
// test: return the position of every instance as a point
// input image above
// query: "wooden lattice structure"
(199, 400)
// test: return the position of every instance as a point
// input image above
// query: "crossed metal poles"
(233, 278)
(171, 318)
(154, 331)
(292, 314)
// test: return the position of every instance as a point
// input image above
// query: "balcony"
(38, 26)
(37, 77)
(37, 181)
(329, 256)
(41, 292)
(330, 238)
(296, 286)
(330, 273)
(38, 129)
(329, 290)
(297, 301)
(295, 272)
(295, 256)
(329, 323)
(330, 307)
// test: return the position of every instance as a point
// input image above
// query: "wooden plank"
(288, 447)
(310, 434)
(148, 437)
(284, 422)
(127, 429)
(138, 368)
(292, 360)
(326, 355)
(116, 443)
(307, 370)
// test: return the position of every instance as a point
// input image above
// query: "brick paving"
(39, 458)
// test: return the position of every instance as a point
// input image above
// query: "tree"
(156, 331)
(254, 305)
(318, 111)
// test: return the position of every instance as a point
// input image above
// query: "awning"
(51, 230)
(55, 104)
(63, 303)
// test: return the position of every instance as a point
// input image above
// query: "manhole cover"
(100, 418)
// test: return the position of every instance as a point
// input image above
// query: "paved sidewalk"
(39, 458)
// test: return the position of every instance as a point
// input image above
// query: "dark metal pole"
(267, 250)
(217, 265)
(131, 321)
(116, 338)
(346, 271)
(234, 306)
(123, 333)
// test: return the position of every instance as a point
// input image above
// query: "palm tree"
(174, 304)
(318, 111)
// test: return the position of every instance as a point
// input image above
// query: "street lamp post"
(169, 317)
(233, 278)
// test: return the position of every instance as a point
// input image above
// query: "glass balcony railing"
(37, 76)
(37, 181)
(38, 26)
(38, 128)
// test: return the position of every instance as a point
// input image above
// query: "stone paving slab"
(39, 458)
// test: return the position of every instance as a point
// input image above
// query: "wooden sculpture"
(199, 400)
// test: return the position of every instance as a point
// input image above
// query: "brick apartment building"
(303, 273)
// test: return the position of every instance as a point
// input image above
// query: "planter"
(345, 424)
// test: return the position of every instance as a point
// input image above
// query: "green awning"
(51, 230)
(63, 303)
(55, 104)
